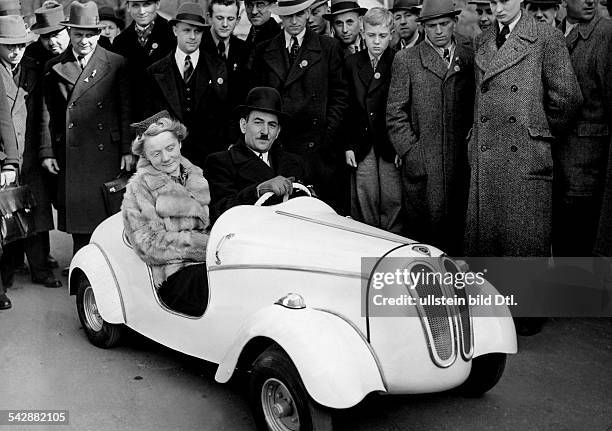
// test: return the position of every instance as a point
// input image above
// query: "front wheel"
(100, 333)
(278, 398)
(486, 372)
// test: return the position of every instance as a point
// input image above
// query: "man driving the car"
(254, 165)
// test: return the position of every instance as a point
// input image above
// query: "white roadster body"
(259, 255)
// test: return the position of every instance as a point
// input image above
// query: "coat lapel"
(208, 74)
(67, 67)
(485, 49)
(432, 61)
(309, 55)
(274, 55)
(460, 59)
(249, 166)
(365, 72)
(518, 45)
(93, 73)
(166, 79)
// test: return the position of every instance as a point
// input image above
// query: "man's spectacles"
(257, 4)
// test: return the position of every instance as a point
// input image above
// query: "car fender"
(92, 261)
(334, 361)
(492, 334)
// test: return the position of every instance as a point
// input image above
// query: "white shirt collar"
(179, 57)
(86, 58)
(569, 27)
(300, 38)
(411, 42)
(264, 156)
(512, 24)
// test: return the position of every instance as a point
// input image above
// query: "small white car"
(285, 306)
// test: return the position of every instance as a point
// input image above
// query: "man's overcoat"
(526, 92)
(429, 114)
(89, 116)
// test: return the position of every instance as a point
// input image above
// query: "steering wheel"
(296, 186)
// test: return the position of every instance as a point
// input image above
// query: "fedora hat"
(107, 13)
(266, 99)
(13, 30)
(544, 2)
(433, 9)
(48, 19)
(411, 5)
(317, 3)
(190, 13)
(10, 7)
(83, 15)
(341, 6)
(289, 7)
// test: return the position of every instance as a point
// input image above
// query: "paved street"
(561, 379)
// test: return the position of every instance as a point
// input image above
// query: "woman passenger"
(165, 214)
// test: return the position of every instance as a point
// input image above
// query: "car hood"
(302, 232)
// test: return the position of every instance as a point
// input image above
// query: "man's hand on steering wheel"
(278, 185)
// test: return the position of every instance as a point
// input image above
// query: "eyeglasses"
(257, 4)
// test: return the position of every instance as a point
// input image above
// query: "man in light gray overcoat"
(526, 93)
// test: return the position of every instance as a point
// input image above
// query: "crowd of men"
(497, 145)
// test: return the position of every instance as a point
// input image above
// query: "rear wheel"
(486, 372)
(99, 332)
(278, 398)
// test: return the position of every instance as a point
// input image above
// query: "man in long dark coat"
(526, 93)
(307, 70)
(263, 26)
(87, 96)
(582, 155)
(429, 114)
(53, 37)
(191, 85)
(147, 39)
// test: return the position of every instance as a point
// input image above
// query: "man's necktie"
(81, 60)
(143, 34)
(374, 63)
(447, 55)
(294, 49)
(221, 49)
(501, 37)
(187, 69)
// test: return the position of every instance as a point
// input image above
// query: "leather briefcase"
(113, 191)
(16, 212)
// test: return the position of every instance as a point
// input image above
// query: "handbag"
(113, 191)
(17, 215)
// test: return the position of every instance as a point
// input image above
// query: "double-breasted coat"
(25, 101)
(206, 125)
(526, 92)
(315, 95)
(89, 115)
(161, 41)
(429, 114)
(234, 175)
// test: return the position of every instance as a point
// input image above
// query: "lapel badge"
(303, 64)
(155, 45)
(235, 67)
(377, 75)
(90, 76)
(220, 81)
(457, 68)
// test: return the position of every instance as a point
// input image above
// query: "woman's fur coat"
(165, 221)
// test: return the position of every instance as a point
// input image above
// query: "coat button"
(371, 114)
(314, 121)
(514, 148)
(188, 109)
(514, 88)
(512, 119)
(71, 125)
(484, 88)
(188, 89)
(310, 144)
(100, 126)
(484, 119)
(483, 148)
(100, 147)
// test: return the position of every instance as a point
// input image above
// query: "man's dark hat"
(411, 5)
(265, 99)
(107, 13)
(142, 126)
(190, 13)
(433, 9)
(48, 19)
(544, 2)
(10, 7)
(342, 6)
